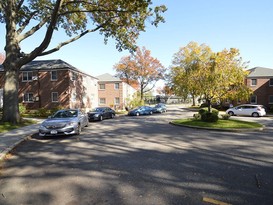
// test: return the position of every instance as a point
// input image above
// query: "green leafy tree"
(120, 20)
(188, 63)
(214, 76)
(141, 67)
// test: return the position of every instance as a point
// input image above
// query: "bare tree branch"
(47, 38)
(26, 22)
(33, 29)
(69, 41)
(20, 5)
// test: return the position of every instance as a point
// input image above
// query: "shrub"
(209, 117)
(42, 112)
(206, 110)
(225, 116)
(22, 109)
(197, 116)
(55, 109)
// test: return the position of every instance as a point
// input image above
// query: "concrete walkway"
(9, 140)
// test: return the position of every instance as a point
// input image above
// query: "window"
(117, 86)
(116, 101)
(74, 76)
(28, 97)
(253, 82)
(253, 99)
(271, 82)
(270, 99)
(27, 76)
(102, 86)
(74, 97)
(54, 75)
(54, 97)
(102, 101)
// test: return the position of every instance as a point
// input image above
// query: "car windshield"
(98, 109)
(66, 114)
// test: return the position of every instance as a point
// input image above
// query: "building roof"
(260, 72)
(48, 65)
(108, 78)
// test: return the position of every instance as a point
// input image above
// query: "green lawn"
(222, 124)
(4, 127)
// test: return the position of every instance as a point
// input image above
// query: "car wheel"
(137, 114)
(231, 113)
(101, 118)
(79, 129)
(255, 114)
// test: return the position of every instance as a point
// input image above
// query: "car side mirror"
(49, 117)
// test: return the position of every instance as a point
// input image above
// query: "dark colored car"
(64, 122)
(101, 113)
(141, 110)
(159, 108)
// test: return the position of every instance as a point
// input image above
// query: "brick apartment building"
(113, 92)
(54, 83)
(260, 80)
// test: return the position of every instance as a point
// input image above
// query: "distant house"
(54, 83)
(260, 80)
(113, 92)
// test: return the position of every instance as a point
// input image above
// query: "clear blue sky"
(243, 24)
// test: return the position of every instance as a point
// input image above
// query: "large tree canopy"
(120, 20)
(197, 70)
(141, 67)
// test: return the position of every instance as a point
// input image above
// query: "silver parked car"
(64, 122)
(247, 110)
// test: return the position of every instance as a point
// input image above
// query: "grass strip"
(5, 126)
(222, 124)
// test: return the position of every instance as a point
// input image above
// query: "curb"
(220, 129)
(10, 148)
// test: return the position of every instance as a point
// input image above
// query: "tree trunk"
(193, 100)
(209, 105)
(10, 98)
(141, 92)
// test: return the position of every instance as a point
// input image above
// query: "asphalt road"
(141, 161)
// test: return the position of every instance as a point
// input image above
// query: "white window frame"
(117, 100)
(28, 76)
(29, 99)
(251, 82)
(104, 101)
(101, 85)
(74, 97)
(52, 97)
(116, 86)
(56, 76)
(74, 76)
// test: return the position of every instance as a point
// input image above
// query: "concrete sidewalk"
(9, 140)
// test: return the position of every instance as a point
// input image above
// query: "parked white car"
(247, 110)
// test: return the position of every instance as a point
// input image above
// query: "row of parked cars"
(72, 121)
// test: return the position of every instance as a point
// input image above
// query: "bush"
(225, 116)
(206, 110)
(53, 110)
(42, 112)
(22, 109)
(197, 116)
(209, 117)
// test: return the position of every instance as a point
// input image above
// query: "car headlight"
(42, 126)
(72, 124)
(96, 115)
